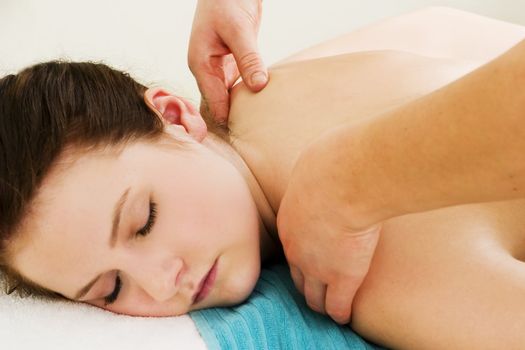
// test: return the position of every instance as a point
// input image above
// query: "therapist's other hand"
(223, 45)
(328, 255)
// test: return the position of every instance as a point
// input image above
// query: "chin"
(241, 283)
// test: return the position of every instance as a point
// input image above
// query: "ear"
(175, 110)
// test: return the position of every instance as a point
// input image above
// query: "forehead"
(70, 213)
(71, 187)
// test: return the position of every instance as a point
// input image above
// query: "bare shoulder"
(452, 278)
(433, 31)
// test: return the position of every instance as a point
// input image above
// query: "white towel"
(34, 323)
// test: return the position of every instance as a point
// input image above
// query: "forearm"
(463, 143)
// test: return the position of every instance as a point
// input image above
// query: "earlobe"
(174, 110)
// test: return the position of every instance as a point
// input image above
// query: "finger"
(249, 61)
(339, 298)
(298, 278)
(314, 292)
(231, 71)
(215, 98)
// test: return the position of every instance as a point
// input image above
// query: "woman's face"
(185, 224)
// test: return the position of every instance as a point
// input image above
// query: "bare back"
(450, 278)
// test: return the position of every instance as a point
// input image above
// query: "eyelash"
(151, 220)
(144, 231)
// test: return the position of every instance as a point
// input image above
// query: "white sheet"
(32, 323)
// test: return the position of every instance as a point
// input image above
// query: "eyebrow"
(117, 210)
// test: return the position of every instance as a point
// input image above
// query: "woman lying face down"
(121, 198)
(195, 203)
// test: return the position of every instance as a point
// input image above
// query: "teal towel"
(275, 316)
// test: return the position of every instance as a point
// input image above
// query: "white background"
(149, 38)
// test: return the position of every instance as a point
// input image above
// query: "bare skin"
(449, 278)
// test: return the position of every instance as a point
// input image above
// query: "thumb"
(249, 62)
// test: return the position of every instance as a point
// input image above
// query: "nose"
(160, 278)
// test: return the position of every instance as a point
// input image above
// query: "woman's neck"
(270, 244)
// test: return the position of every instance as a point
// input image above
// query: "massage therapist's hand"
(223, 43)
(328, 253)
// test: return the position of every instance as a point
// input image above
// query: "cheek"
(208, 214)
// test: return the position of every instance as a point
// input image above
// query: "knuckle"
(197, 67)
(193, 64)
(242, 20)
(249, 62)
(285, 238)
(292, 254)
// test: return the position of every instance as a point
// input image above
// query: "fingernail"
(258, 78)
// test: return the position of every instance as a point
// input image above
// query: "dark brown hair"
(47, 107)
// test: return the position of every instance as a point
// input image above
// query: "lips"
(206, 284)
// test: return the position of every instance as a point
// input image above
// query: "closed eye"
(151, 220)
(144, 231)
(110, 299)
